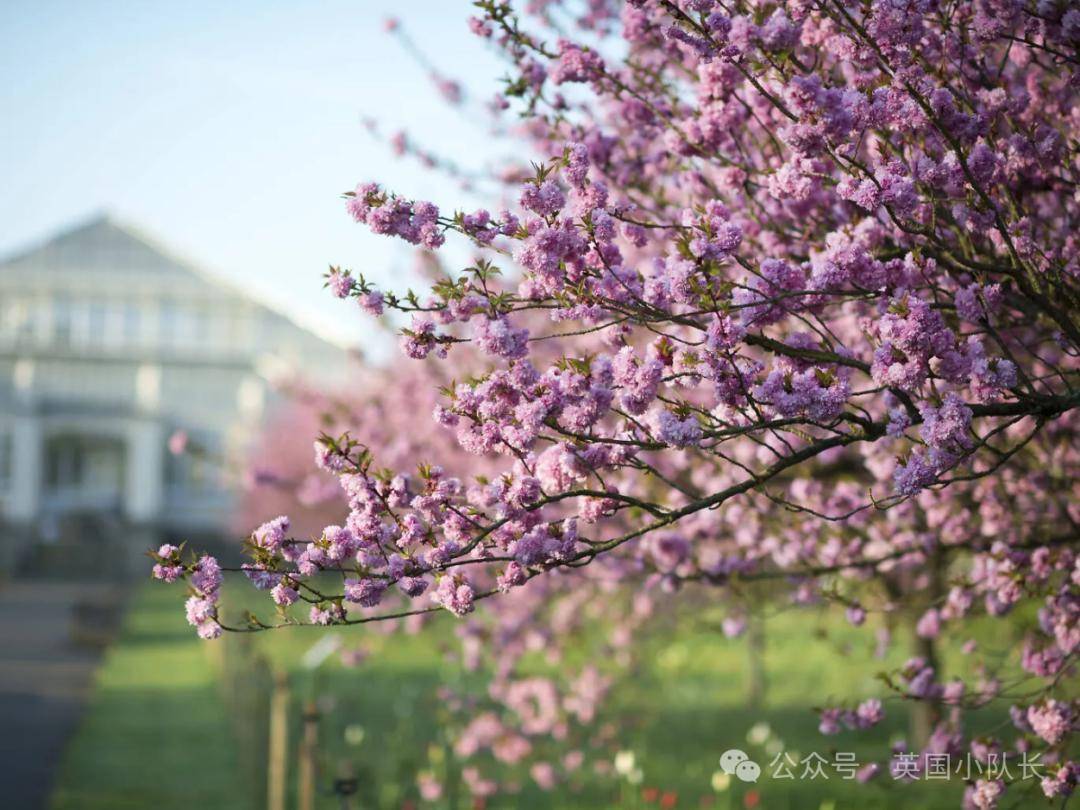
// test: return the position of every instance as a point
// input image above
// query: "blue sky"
(228, 130)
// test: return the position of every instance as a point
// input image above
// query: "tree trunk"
(925, 714)
(308, 751)
(277, 757)
(755, 649)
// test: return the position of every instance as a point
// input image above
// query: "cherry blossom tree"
(790, 296)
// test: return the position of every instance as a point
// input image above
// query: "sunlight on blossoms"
(760, 365)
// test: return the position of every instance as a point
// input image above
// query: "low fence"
(270, 728)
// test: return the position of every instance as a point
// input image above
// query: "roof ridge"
(169, 256)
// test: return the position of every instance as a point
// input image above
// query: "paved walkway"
(44, 681)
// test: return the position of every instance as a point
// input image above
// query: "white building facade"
(108, 346)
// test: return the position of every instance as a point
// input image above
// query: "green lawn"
(156, 736)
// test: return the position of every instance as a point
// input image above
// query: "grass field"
(157, 736)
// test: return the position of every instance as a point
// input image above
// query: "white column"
(148, 388)
(27, 452)
(251, 398)
(145, 471)
(27, 447)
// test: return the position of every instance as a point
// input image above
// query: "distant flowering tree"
(792, 294)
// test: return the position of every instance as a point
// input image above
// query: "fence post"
(308, 746)
(278, 746)
(346, 785)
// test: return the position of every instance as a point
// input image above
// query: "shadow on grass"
(677, 749)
